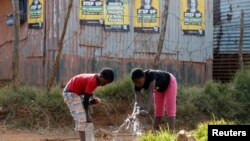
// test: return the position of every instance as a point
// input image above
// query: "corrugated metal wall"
(227, 34)
(140, 45)
(227, 15)
(89, 48)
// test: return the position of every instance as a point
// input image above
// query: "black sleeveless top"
(162, 79)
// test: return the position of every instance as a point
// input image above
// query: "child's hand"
(95, 101)
(143, 113)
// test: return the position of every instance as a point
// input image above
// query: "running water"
(131, 124)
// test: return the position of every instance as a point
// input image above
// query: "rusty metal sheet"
(6, 62)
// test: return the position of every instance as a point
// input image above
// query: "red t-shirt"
(82, 83)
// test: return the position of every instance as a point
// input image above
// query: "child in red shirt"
(78, 92)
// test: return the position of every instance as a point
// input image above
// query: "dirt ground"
(104, 125)
(25, 135)
(103, 132)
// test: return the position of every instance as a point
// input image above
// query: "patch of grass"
(120, 89)
(12, 99)
(201, 133)
(33, 109)
(161, 136)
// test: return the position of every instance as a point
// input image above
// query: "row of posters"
(114, 15)
(146, 19)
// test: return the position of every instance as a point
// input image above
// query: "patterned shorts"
(76, 108)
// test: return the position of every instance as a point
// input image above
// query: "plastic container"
(89, 132)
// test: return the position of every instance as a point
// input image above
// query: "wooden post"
(241, 40)
(15, 57)
(60, 47)
(44, 43)
(162, 36)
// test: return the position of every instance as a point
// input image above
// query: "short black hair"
(108, 74)
(137, 73)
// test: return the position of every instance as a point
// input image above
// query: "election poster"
(91, 12)
(35, 14)
(116, 15)
(193, 17)
(147, 16)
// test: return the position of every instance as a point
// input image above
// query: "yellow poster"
(193, 17)
(147, 16)
(35, 13)
(116, 15)
(91, 12)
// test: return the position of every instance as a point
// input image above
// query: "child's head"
(138, 77)
(106, 76)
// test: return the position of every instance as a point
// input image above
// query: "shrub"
(242, 93)
(33, 108)
(196, 103)
(116, 91)
(221, 100)
(188, 101)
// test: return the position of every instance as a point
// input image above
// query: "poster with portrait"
(35, 14)
(91, 12)
(193, 17)
(116, 15)
(147, 16)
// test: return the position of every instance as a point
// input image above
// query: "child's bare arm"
(138, 98)
(86, 106)
(150, 96)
